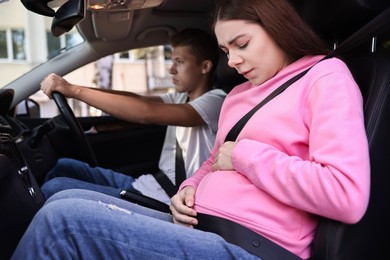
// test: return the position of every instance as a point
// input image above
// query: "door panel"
(126, 147)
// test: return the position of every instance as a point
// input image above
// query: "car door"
(126, 147)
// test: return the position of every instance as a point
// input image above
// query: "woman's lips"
(246, 73)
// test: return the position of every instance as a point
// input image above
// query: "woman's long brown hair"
(279, 19)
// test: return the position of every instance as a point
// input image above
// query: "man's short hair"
(203, 45)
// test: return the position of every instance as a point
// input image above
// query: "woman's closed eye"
(242, 45)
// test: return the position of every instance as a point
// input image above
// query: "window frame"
(10, 45)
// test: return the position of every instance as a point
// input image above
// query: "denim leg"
(70, 173)
(58, 184)
(75, 169)
(77, 228)
(97, 196)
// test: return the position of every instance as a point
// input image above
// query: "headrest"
(337, 19)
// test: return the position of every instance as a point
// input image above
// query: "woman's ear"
(207, 65)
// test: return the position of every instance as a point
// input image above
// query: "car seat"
(370, 65)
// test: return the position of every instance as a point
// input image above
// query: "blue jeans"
(73, 174)
(82, 224)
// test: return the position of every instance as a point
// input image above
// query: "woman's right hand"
(182, 204)
(53, 82)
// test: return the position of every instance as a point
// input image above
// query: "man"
(191, 114)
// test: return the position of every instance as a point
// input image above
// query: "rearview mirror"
(67, 16)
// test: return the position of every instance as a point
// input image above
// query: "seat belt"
(246, 238)
(164, 182)
(180, 174)
(236, 129)
(180, 171)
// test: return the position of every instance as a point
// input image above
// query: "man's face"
(186, 71)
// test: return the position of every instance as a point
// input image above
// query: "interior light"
(97, 6)
(106, 4)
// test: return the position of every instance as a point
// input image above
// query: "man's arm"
(130, 94)
(130, 107)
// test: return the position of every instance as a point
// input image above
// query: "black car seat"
(370, 65)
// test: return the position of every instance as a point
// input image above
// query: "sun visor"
(119, 21)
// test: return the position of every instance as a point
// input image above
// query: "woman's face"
(250, 50)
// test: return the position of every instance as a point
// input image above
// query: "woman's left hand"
(223, 158)
(182, 204)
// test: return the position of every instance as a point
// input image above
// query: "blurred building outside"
(26, 41)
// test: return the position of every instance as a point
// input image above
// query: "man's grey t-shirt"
(196, 142)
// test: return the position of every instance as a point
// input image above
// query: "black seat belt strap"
(180, 174)
(180, 170)
(236, 234)
(165, 183)
(236, 129)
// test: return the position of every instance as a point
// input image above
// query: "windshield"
(26, 41)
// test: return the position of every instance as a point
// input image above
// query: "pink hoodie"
(303, 154)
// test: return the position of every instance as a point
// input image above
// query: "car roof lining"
(139, 32)
(121, 24)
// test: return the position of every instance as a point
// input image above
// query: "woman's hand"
(223, 158)
(182, 204)
(54, 82)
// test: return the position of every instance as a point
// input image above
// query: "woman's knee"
(52, 186)
(66, 167)
(76, 194)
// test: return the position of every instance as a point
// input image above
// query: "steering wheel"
(75, 127)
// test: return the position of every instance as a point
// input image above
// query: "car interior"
(30, 146)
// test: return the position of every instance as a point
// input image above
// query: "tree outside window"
(68, 40)
(19, 52)
(3, 45)
(12, 44)
(53, 43)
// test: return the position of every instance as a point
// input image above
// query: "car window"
(144, 71)
(26, 41)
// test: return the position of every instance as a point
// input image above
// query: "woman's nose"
(234, 60)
